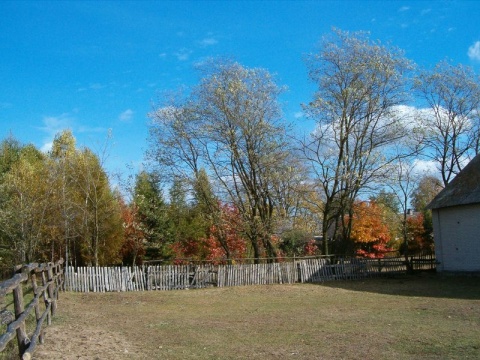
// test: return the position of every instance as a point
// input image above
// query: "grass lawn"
(420, 317)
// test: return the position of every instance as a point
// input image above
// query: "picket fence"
(194, 276)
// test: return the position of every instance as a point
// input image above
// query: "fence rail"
(174, 277)
(45, 280)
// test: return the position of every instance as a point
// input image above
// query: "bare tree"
(451, 125)
(403, 179)
(231, 125)
(360, 84)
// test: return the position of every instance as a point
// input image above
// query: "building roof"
(463, 189)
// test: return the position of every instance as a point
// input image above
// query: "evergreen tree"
(152, 214)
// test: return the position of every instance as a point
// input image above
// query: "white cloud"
(208, 42)
(298, 115)
(90, 130)
(126, 116)
(404, 8)
(408, 115)
(474, 51)
(425, 168)
(46, 147)
(53, 125)
(183, 54)
(96, 86)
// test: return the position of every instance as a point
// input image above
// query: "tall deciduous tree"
(390, 205)
(424, 192)
(10, 149)
(88, 220)
(452, 126)
(298, 202)
(402, 180)
(99, 211)
(207, 205)
(360, 83)
(224, 241)
(57, 204)
(231, 125)
(26, 195)
(63, 155)
(185, 224)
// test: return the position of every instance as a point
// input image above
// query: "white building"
(456, 222)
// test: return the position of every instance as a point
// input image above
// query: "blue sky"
(95, 67)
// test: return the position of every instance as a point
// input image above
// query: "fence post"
(22, 338)
(51, 290)
(38, 314)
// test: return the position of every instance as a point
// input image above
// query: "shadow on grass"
(425, 284)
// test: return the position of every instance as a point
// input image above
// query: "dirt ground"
(84, 342)
(86, 332)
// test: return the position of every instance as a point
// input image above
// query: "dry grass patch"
(403, 318)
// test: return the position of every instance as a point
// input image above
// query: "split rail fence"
(191, 276)
(44, 281)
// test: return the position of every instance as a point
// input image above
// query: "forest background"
(228, 178)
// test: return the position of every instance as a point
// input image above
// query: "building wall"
(457, 238)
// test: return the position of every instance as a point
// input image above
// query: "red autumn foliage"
(369, 231)
(310, 248)
(222, 236)
(228, 232)
(186, 250)
(132, 250)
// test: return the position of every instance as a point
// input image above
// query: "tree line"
(231, 178)
(56, 204)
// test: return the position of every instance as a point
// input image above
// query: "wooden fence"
(45, 281)
(173, 277)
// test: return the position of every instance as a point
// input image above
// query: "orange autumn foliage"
(369, 230)
(418, 240)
